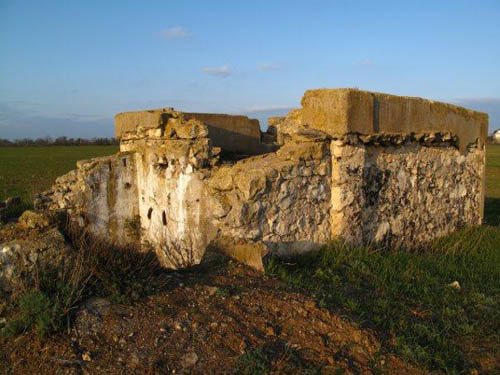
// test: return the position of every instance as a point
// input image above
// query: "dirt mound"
(220, 318)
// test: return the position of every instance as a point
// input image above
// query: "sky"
(66, 67)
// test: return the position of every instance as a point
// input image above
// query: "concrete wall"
(367, 168)
(405, 195)
(344, 111)
(236, 134)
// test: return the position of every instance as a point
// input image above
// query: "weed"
(121, 274)
(50, 298)
(253, 362)
(223, 292)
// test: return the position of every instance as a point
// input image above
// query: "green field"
(492, 204)
(25, 171)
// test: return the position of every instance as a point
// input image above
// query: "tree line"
(59, 141)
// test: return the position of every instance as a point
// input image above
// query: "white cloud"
(177, 32)
(270, 67)
(365, 62)
(266, 108)
(223, 71)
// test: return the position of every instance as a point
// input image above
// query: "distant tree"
(59, 141)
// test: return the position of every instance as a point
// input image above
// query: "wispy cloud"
(223, 71)
(270, 67)
(266, 108)
(364, 62)
(177, 32)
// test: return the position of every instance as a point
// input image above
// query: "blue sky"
(66, 67)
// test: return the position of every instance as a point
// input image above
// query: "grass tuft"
(48, 301)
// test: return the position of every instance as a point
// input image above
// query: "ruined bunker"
(368, 168)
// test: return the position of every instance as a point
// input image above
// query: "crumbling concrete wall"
(100, 195)
(405, 195)
(364, 167)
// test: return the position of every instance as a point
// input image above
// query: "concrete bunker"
(361, 166)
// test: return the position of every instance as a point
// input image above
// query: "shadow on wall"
(235, 142)
(492, 211)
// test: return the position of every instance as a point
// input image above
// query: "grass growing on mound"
(49, 300)
(405, 296)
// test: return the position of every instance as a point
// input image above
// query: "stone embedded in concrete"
(20, 260)
(31, 220)
(360, 166)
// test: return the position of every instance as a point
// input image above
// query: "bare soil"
(218, 318)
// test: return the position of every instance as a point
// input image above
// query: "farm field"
(25, 171)
(492, 204)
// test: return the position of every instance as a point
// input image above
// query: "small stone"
(455, 285)
(31, 220)
(211, 290)
(269, 331)
(189, 360)
(86, 357)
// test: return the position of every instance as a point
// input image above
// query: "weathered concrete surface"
(20, 260)
(406, 195)
(237, 134)
(360, 166)
(343, 111)
(131, 121)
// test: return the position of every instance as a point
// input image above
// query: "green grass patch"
(25, 171)
(275, 357)
(492, 202)
(405, 296)
(253, 362)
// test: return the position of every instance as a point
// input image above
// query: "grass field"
(25, 171)
(492, 204)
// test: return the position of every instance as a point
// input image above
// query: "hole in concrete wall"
(124, 162)
(150, 212)
(127, 185)
(164, 218)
